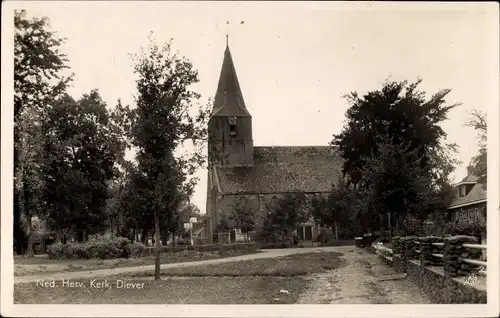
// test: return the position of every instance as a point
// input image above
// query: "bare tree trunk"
(31, 253)
(322, 236)
(19, 180)
(144, 236)
(336, 230)
(172, 241)
(157, 246)
(390, 224)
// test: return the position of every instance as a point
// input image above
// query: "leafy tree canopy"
(81, 148)
(479, 163)
(395, 154)
(38, 82)
(397, 114)
(242, 215)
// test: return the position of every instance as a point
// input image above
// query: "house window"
(462, 191)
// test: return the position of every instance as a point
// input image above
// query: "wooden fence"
(459, 255)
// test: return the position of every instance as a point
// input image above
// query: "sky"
(294, 60)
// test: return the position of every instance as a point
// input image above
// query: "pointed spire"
(228, 99)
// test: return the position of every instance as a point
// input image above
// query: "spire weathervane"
(227, 39)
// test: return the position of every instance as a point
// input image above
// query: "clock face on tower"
(232, 121)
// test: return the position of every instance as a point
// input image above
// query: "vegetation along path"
(133, 269)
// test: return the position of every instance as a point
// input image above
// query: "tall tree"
(83, 146)
(136, 203)
(163, 122)
(396, 181)
(288, 212)
(479, 163)
(319, 210)
(242, 216)
(394, 151)
(38, 82)
(175, 221)
(339, 206)
(398, 113)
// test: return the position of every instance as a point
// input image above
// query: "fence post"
(427, 248)
(403, 245)
(396, 248)
(454, 252)
(410, 243)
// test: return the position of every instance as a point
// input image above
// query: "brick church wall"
(262, 204)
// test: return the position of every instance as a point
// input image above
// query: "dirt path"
(356, 283)
(121, 270)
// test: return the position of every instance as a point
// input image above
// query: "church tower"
(230, 142)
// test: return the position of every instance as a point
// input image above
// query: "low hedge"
(221, 248)
(266, 246)
(122, 248)
(334, 242)
(119, 247)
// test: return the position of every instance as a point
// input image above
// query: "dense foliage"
(161, 123)
(82, 145)
(38, 82)
(288, 211)
(242, 216)
(395, 155)
(70, 167)
(118, 247)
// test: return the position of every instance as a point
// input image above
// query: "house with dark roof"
(261, 175)
(469, 203)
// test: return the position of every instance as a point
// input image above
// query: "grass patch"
(208, 290)
(258, 281)
(286, 266)
(29, 266)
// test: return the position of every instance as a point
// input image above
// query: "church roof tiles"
(284, 170)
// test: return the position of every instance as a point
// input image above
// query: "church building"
(257, 174)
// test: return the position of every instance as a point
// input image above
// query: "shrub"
(57, 251)
(201, 241)
(79, 251)
(119, 247)
(275, 245)
(122, 244)
(410, 227)
(347, 233)
(136, 249)
(183, 242)
(385, 236)
(334, 242)
(466, 229)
